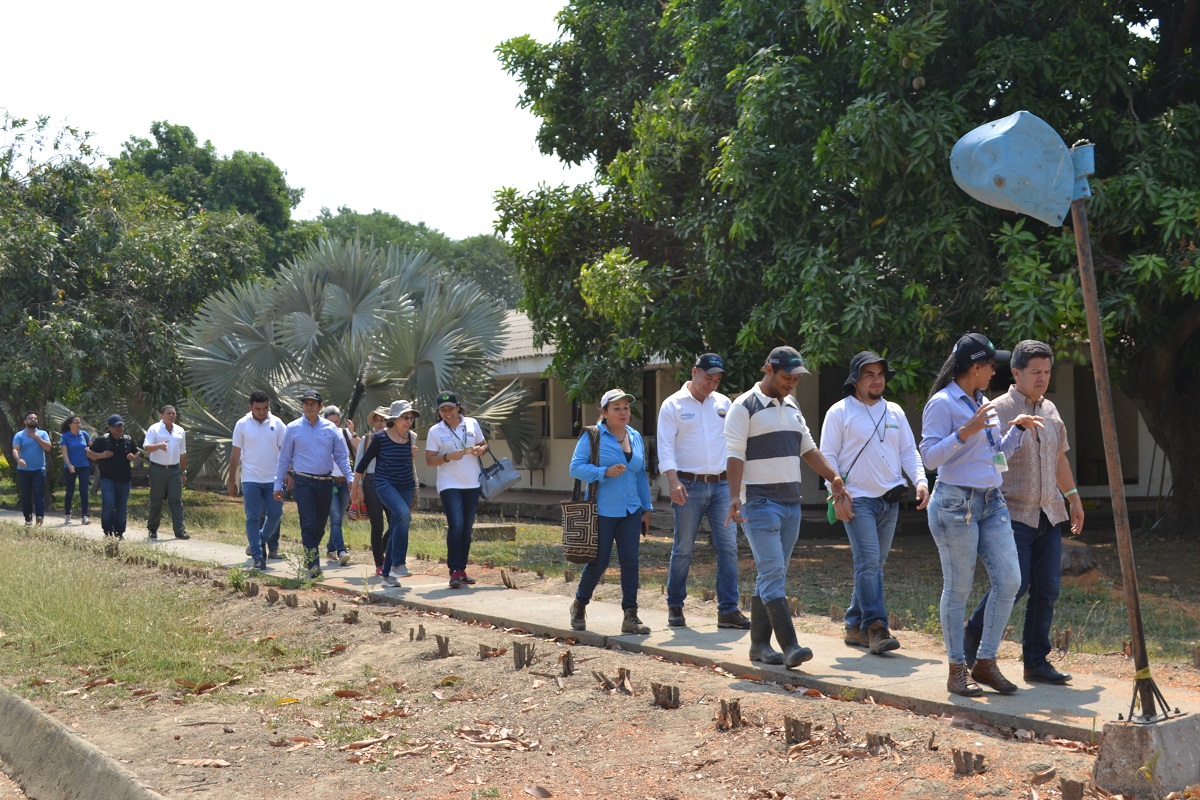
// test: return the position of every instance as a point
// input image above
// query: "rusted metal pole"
(1144, 688)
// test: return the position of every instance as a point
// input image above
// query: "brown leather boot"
(578, 615)
(855, 637)
(880, 638)
(960, 682)
(987, 672)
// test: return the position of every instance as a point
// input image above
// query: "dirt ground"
(370, 715)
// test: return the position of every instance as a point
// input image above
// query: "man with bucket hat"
(869, 442)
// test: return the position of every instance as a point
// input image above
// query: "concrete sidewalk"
(907, 678)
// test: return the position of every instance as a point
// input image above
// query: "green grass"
(65, 607)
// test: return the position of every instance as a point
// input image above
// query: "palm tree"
(350, 319)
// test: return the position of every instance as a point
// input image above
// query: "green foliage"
(99, 273)
(784, 166)
(484, 259)
(195, 176)
(347, 313)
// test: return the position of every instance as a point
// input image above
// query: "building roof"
(519, 343)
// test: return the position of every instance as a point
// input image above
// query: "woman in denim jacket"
(622, 505)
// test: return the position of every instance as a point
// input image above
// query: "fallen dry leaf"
(337, 648)
(1043, 777)
(347, 693)
(199, 762)
(538, 791)
(449, 680)
(283, 701)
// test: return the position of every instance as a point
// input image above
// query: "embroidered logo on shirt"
(721, 412)
(687, 415)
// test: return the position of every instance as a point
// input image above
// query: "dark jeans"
(1039, 551)
(313, 499)
(33, 492)
(625, 532)
(114, 503)
(375, 512)
(84, 476)
(166, 483)
(397, 502)
(460, 506)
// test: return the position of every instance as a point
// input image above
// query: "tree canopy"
(774, 171)
(484, 259)
(99, 275)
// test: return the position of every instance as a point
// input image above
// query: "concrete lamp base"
(1149, 761)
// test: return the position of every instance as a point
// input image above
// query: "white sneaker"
(388, 582)
(85, 520)
(401, 571)
(343, 558)
(67, 519)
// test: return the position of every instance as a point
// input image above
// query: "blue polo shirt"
(31, 451)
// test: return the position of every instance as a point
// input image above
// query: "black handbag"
(580, 522)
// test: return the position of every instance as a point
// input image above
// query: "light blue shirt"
(31, 451)
(969, 465)
(627, 492)
(311, 448)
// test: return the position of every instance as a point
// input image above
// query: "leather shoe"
(734, 619)
(675, 617)
(1046, 673)
(961, 683)
(987, 672)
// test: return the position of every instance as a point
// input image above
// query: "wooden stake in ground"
(523, 654)
(507, 580)
(729, 715)
(665, 696)
(272, 596)
(350, 617)
(968, 763)
(567, 660)
(385, 626)
(796, 730)
(323, 607)
(291, 600)
(443, 645)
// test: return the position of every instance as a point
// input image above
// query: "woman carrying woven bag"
(622, 502)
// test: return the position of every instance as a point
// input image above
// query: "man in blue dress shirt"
(311, 445)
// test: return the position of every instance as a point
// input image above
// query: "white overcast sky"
(400, 106)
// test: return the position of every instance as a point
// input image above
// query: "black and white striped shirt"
(769, 435)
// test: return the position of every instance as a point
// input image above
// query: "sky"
(400, 106)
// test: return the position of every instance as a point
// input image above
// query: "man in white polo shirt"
(257, 438)
(691, 454)
(166, 444)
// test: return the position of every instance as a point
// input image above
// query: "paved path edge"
(50, 762)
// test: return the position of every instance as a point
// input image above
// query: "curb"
(50, 762)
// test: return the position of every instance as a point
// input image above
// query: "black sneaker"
(455, 580)
(152, 536)
(182, 535)
(315, 574)
(249, 552)
(260, 564)
(465, 578)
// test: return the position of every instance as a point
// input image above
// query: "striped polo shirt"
(769, 435)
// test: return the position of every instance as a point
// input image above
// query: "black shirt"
(117, 468)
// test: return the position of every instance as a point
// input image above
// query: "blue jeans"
(263, 513)
(870, 534)
(397, 502)
(460, 506)
(1039, 551)
(84, 476)
(968, 523)
(337, 512)
(313, 499)
(711, 500)
(772, 529)
(114, 503)
(32, 483)
(626, 533)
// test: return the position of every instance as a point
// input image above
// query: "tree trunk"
(1163, 385)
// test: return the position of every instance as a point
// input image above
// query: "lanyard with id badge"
(999, 462)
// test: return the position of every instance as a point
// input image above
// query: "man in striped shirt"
(765, 439)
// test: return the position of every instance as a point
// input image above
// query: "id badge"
(1000, 462)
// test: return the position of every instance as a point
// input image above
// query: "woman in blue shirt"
(622, 505)
(960, 438)
(76, 466)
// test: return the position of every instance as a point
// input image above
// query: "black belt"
(164, 466)
(694, 478)
(312, 477)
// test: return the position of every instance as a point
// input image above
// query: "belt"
(693, 477)
(164, 466)
(312, 477)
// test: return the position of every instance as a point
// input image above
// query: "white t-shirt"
(259, 443)
(464, 473)
(176, 441)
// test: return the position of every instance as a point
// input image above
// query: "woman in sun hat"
(391, 452)
(454, 446)
(960, 438)
(622, 504)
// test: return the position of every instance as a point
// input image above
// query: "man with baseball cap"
(869, 442)
(691, 454)
(116, 451)
(311, 446)
(765, 440)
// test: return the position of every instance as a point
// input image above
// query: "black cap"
(787, 359)
(710, 363)
(856, 365)
(311, 394)
(447, 399)
(115, 420)
(975, 348)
